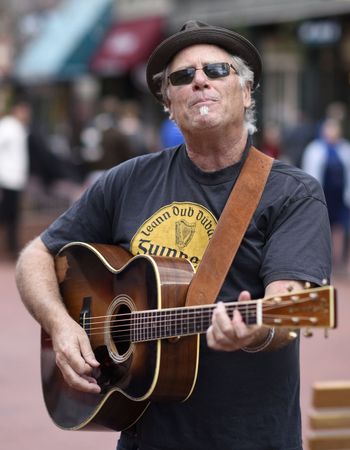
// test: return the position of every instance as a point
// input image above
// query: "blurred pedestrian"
(327, 158)
(46, 165)
(271, 141)
(104, 143)
(294, 138)
(170, 134)
(14, 169)
(131, 126)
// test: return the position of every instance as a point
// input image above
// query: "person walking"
(327, 158)
(14, 169)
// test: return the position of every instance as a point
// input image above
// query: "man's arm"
(233, 334)
(38, 287)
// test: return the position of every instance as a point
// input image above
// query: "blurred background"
(79, 67)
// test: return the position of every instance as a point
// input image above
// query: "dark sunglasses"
(212, 71)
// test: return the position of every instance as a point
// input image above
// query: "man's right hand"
(74, 356)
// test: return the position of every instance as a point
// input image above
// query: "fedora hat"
(194, 32)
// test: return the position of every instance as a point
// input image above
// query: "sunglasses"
(212, 71)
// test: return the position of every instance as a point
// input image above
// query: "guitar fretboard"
(168, 323)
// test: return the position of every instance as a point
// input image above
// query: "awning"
(127, 44)
(243, 13)
(69, 37)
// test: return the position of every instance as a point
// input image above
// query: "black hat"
(194, 32)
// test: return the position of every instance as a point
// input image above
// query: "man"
(247, 391)
(14, 169)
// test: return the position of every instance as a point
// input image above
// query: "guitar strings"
(158, 334)
(184, 312)
(124, 331)
(136, 321)
(170, 314)
(161, 328)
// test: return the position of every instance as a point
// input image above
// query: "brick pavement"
(24, 422)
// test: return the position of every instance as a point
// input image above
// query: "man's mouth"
(202, 102)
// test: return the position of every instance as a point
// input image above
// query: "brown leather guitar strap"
(232, 225)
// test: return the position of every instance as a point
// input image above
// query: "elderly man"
(246, 396)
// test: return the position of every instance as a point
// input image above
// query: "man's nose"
(200, 79)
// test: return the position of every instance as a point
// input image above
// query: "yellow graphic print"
(180, 230)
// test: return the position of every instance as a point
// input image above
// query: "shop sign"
(324, 32)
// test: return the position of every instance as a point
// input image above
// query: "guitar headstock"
(309, 308)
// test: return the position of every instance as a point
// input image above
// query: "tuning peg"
(308, 333)
(324, 282)
(292, 335)
(307, 285)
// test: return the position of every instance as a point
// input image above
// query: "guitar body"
(100, 286)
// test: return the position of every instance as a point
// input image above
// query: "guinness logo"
(180, 230)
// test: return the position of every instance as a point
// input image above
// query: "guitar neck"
(309, 308)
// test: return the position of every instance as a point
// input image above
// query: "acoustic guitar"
(146, 340)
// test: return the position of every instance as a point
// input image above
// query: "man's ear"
(247, 95)
(169, 109)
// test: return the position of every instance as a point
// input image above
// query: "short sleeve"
(298, 245)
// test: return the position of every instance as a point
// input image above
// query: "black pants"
(127, 441)
(9, 217)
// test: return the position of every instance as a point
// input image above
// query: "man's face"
(206, 103)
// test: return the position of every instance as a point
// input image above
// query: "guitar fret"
(132, 328)
(155, 325)
(137, 334)
(138, 326)
(200, 324)
(145, 325)
(159, 325)
(168, 328)
(191, 323)
(151, 325)
(151, 328)
(142, 330)
(175, 323)
(163, 324)
(134, 324)
(181, 323)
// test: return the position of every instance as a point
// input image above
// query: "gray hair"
(246, 77)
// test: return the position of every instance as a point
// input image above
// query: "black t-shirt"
(162, 204)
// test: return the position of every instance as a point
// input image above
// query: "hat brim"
(233, 42)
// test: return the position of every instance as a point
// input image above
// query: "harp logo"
(184, 232)
(180, 230)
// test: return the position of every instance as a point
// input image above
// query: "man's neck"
(214, 154)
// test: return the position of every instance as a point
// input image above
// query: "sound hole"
(121, 329)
